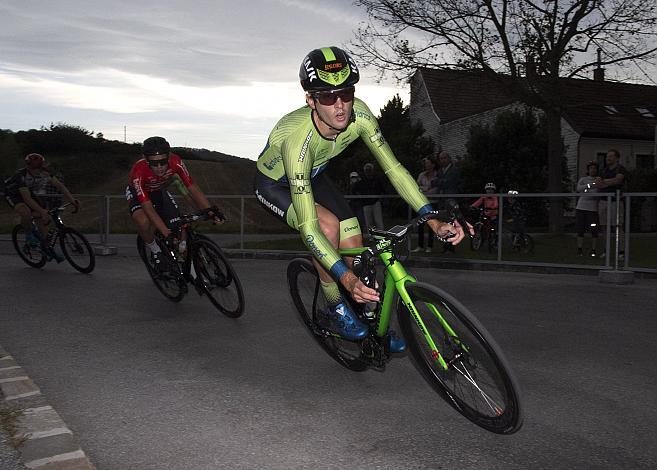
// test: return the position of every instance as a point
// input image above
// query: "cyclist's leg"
(139, 217)
(24, 213)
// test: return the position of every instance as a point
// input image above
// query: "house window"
(645, 161)
(611, 110)
(645, 112)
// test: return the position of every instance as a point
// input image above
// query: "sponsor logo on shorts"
(269, 205)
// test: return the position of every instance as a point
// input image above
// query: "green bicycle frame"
(395, 279)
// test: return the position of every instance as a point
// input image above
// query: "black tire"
(219, 281)
(77, 250)
(33, 256)
(478, 383)
(525, 243)
(308, 299)
(172, 284)
(477, 238)
(492, 241)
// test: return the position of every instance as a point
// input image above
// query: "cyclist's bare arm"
(64, 190)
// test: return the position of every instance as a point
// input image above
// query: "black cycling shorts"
(163, 202)
(275, 196)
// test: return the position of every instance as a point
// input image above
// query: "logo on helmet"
(335, 65)
(310, 70)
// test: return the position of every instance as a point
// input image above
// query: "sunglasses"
(159, 162)
(328, 98)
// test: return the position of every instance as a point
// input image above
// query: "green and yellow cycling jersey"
(296, 152)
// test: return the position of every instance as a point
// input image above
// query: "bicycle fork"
(436, 355)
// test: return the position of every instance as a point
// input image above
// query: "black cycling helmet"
(34, 160)
(155, 146)
(328, 68)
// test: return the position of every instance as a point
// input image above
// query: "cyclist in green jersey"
(291, 184)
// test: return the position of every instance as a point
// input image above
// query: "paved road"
(148, 384)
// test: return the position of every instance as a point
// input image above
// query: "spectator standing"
(356, 204)
(370, 185)
(586, 211)
(446, 182)
(611, 179)
(427, 181)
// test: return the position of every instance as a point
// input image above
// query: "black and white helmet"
(328, 68)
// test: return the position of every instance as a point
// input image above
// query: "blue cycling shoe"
(339, 319)
(396, 344)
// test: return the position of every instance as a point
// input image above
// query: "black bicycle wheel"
(492, 241)
(525, 243)
(217, 278)
(478, 381)
(308, 299)
(77, 250)
(32, 255)
(172, 283)
(475, 241)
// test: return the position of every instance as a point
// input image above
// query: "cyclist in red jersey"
(150, 202)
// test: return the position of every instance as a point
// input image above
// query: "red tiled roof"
(456, 94)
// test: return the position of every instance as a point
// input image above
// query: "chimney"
(599, 73)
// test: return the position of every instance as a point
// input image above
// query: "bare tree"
(533, 42)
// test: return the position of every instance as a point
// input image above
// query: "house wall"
(571, 140)
(590, 148)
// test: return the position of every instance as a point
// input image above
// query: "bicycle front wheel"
(475, 378)
(77, 250)
(526, 243)
(217, 278)
(477, 238)
(29, 253)
(309, 299)
(172, 283)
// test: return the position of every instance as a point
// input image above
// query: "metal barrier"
(249, 223)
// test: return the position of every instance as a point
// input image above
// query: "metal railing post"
(608, 231)
(626, 246)
(617, 230)
(107, 219)
(101, 222)
(242, 223)
(500, 216)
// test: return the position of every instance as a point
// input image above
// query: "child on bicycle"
(515, 216)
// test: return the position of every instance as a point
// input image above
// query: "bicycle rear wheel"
(526, 243)
(217, 278)
(171, 283)
(478, 381)
(309, 299)
(32, 255)
(477, 238)
(77, 250)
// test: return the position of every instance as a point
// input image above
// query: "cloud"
(212, 73)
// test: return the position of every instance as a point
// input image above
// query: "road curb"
(47, 443)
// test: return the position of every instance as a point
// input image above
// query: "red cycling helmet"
(34, 160)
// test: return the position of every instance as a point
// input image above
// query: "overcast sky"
(204, 73)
